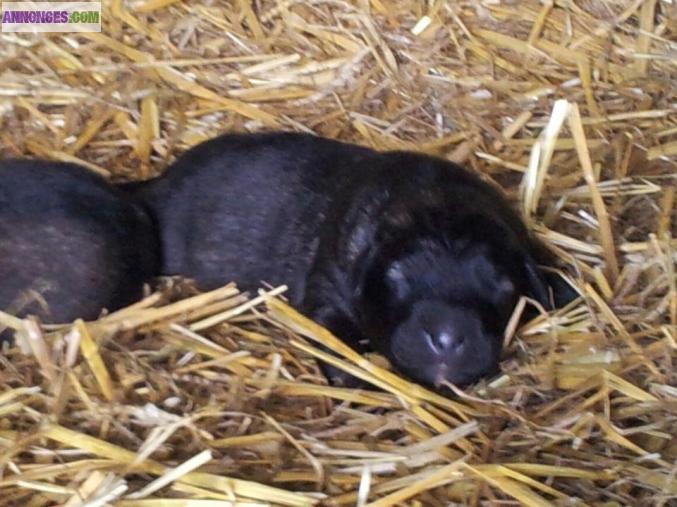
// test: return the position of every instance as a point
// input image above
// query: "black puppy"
(69, 235)
(410, 252)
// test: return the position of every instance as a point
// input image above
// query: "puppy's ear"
(537, 287)
(563, 292)
(548, 287)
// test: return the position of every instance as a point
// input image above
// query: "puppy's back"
(249, 207)
(70, 239)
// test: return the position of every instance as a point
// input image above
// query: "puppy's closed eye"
(504, 289)
(397, 281)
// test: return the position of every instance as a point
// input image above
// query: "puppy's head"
(438, 307)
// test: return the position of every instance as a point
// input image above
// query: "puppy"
(410, 254)
(68, 235)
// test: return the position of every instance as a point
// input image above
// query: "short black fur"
(70, 236)
(412, 254)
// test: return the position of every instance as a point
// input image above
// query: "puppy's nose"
(443, 339)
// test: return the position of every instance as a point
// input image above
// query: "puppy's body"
(69, 236)
(411, 252)
(250, 207)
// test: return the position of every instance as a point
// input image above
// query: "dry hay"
(568, 105)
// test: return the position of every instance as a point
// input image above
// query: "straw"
(216, 398)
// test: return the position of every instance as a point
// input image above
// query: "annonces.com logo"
(36, 17)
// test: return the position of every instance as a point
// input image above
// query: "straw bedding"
(190, 399)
